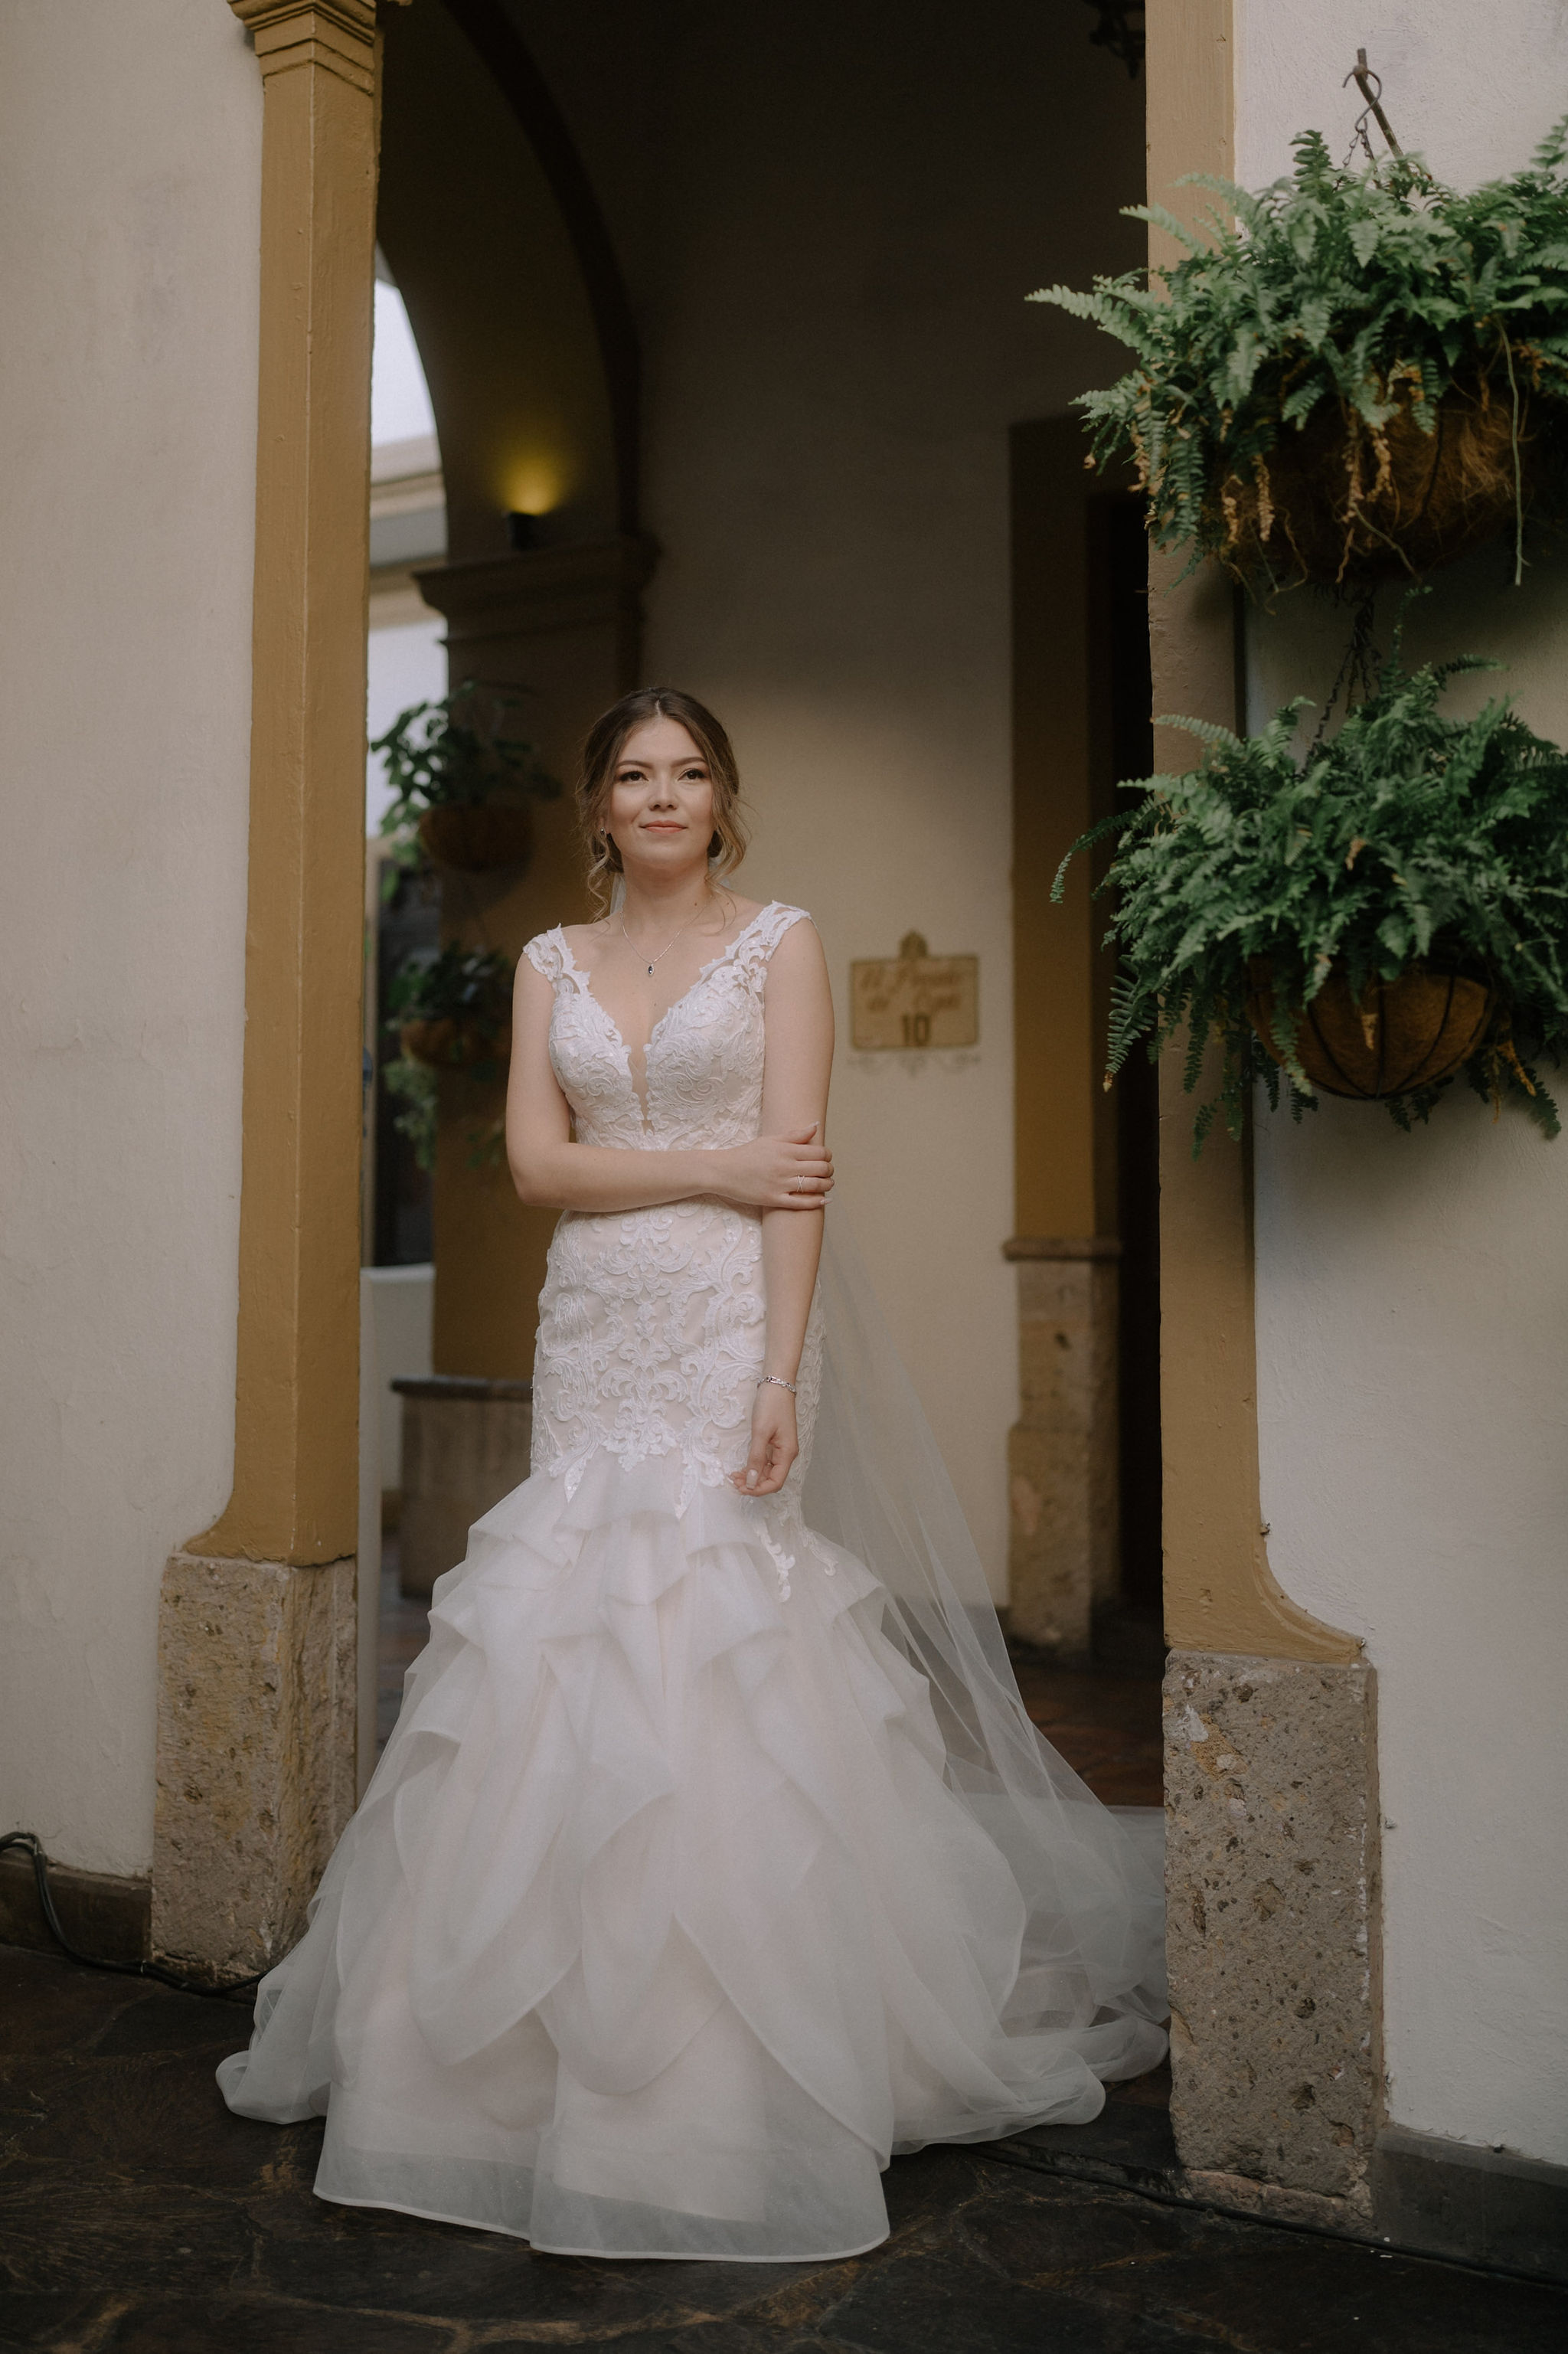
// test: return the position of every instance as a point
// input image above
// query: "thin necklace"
(668, 943)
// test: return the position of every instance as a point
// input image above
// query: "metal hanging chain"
(1369, 84)
(1358, 668)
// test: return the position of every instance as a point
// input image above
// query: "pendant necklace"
(668, 945)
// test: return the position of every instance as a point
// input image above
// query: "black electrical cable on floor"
(34, 1846)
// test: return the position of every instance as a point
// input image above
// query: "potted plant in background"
(1370, 921)
(1363, 375)
(462, 788)
(452, 1010)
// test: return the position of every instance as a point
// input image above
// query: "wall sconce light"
(522, 531)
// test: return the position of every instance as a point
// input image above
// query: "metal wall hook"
(1369, 84)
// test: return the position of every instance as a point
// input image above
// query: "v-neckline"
(613, 1026)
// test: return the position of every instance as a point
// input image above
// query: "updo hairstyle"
(601, 756)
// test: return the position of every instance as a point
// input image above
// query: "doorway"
(1084, 1459)
(1128, 1620)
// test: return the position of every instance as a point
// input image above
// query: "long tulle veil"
(1090, 1876)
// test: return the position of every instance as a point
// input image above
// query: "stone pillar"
(1272, 1903)
(466, 1444)
(1062, 1453)
(256, 1777)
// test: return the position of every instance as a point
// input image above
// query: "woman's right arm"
(550, 1172)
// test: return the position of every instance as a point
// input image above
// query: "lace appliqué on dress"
(652, 1322)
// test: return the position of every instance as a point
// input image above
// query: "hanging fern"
(1360, 296)
(438, 755)
(1407, 837)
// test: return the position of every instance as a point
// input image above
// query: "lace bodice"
(704, 1061)
(652, 1322)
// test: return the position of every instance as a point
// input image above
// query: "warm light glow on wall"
(533, 486)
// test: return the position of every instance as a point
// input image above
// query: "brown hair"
(601, 756)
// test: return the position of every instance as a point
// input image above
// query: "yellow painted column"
(1271, 1791)
(296, 1414)
(256, 1732)
(1220, 1594)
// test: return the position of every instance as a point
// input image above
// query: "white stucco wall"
(403, 1301)
(130, 151)
(1412, 1291)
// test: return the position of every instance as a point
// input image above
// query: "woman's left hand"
(774, 1443)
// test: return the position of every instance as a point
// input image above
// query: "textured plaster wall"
(831, 217)
(130, 153)
(1412, 1291)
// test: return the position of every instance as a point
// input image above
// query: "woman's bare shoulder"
(583, 936)
(742, 911)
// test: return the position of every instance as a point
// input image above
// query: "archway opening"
(829, 275)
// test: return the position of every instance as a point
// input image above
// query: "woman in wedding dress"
(713, 1858)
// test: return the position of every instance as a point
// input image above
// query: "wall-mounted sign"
(915, 1000)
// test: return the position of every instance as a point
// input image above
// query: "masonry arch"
(493, 234)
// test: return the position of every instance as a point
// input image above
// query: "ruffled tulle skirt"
(665, 1919)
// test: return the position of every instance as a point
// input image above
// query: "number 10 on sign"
(915, 1000)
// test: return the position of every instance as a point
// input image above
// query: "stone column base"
(1062, 1453)
(466, 1444)
(256, 1755)
(1272, 1906)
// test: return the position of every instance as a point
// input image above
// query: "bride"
(713, 1858)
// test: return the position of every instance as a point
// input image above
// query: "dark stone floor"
(1107, 1727)
(138, 2217)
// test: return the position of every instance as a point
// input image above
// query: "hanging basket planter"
(452, 1043)
(478, 836)
(1434, 848)
(1340, 505)
(462, 785)
(1351, 376)
(1399, 1036)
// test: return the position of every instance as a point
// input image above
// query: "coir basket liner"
(1403, 1034)
(1337, 503)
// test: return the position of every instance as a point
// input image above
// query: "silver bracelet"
(778, 1380)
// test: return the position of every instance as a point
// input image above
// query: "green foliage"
(472, 986)
(469, 986)
(1374, 290)
(418, 1089)
(455, 750)
(1406, 836)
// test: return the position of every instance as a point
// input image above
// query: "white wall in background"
(1413, 1290)
(1472, 90)
(399, 402)
(406, 659)
(406, 664)
(403, 1300)
(129, 183)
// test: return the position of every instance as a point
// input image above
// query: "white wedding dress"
(713, 1858)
